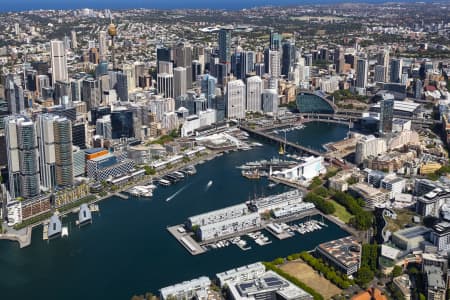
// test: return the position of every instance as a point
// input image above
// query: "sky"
(20, 5)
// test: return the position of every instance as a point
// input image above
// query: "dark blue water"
(127, 250)
(315, 134)
(20, 5)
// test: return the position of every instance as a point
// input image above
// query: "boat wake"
(208, 185)
(177, 192)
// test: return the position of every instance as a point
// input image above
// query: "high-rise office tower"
(208, 87)
(139, 70)
(102, 45)
(380, 72)
(386, 115)
(225, 46)
(122, 123)
(59, 61)
(275, 41)
(61, 92)
(163, 53)
(362, 69)
(90, 92)
(165, 67)
(339, 59)
(73, 35)
(22, 152)
(396, 70)
(418, 86)
(42, 82)
(288, 57)
(272, 63)
(179, 82)
(383, 60)
(247, 62)
(253, 95)
(269, 98)
(14, 96)
(235, 99)
(122, 86)
(129, 70)
(183, 58)
(164, 84)
(196, 70)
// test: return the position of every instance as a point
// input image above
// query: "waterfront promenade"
(23, 236)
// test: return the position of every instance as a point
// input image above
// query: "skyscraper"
(208, 87)
(225, 46)
(102, 45)
(54, 134)
(270, 101)
(122, 123)
(396, 70)
(73, 34)
(63, 152)
(164, 84)
(288, 57)
(235, 99)
(418, 86)
(254, 89)
(380, 72)
(339, 59)
(179, 82)
(275, 41)
(183, 58)
(383, 60)
(272, 62)
(59, 61)
(14, 96)
(386, 115)
(22, 152)
(362, 68)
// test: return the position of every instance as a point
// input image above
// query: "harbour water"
(127, 250)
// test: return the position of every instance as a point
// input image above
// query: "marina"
(144, 223)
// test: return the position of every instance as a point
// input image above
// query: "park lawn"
(341, 212)
(310, 277)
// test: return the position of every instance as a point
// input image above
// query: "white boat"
(65, 231)
(209, 184)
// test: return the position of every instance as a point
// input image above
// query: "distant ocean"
(21, 5)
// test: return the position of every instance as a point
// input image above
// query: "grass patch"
(404, 217)
(341, 212)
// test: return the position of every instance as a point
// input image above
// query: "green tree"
(364, 276)
(397, 271)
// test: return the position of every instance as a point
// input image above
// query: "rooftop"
(346, 250)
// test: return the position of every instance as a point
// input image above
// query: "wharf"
(195, 248)
(122, 196)
(23, 237)
(186, 240)
(281, 236)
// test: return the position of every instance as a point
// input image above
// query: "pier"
(185, 239)
(194, 247)
(122, 196)
(23, 237)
